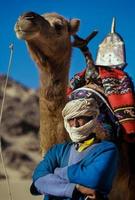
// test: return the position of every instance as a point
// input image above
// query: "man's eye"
(58, 27)
(90, 118)
(86, 118)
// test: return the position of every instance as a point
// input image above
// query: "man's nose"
(75, 123)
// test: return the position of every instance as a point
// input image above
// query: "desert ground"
(19, 190)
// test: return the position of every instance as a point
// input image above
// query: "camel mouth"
(24, 31)
(24, 34)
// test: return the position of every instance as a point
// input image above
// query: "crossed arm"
(49, 178)
(55, 185)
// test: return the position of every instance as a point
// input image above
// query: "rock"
(19, 129)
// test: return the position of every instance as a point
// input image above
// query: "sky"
(95, 14)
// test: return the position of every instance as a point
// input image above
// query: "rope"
(1, 113)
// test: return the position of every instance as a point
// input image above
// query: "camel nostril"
(29, 15)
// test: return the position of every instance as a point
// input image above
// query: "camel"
(48, 38)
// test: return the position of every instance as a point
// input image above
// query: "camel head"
(47, 35)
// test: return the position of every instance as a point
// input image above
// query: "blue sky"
(95, 14)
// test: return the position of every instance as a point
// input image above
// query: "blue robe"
(58, 173)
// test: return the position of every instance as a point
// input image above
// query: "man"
(86, 166)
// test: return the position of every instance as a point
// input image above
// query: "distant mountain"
(19, 129)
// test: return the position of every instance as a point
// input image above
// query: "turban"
(83, 102)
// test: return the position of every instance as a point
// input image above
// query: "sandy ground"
(19, 190)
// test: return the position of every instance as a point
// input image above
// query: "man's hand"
(90, 193)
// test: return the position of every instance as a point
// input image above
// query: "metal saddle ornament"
(111, 52)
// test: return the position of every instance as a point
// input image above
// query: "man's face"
(79, 121)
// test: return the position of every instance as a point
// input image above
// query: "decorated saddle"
(107, 77)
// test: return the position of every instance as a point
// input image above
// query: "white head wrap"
(80, 107)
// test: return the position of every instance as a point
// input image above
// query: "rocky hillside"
(19, 130)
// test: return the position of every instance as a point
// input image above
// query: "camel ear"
(74, 26)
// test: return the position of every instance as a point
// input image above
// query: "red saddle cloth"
(119, 91)
(76, 82)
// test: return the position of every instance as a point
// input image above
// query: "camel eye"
(58, 27)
